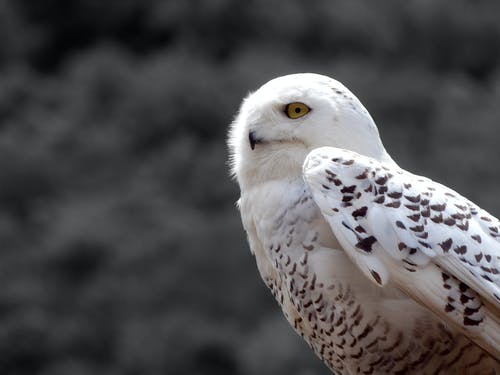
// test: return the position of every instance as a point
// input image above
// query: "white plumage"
(381, 271)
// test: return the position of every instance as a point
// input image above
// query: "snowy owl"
(381, 271)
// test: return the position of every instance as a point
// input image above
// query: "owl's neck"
(275, 162)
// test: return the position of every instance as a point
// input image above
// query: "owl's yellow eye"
(296, 110)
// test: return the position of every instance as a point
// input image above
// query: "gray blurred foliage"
(121, 249)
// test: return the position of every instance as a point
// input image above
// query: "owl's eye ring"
(296, 110)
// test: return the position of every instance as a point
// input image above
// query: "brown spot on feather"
(363, 175)
(438, 207)
(399, 224)
(360, 229)
(449, 221)
(446, 245)
(348, 189)
(471, 322)
(413, 199)
(437, 219)
(381, 180)
(360, 212)
(448, 308)
(414, 217)
(376, 276)
(476, 237)
(366, 244)
(394, 204)
(395, 195)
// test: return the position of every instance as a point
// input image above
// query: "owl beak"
(253, 139)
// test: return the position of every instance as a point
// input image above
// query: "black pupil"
(297, 110)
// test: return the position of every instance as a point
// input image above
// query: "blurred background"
(121, 249)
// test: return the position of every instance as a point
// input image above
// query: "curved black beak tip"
(252, 139)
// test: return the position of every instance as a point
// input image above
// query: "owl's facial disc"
(293, 111)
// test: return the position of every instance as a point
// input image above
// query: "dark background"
(121, 249)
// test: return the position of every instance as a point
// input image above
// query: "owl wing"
(435, 245)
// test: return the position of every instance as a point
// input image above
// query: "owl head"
(280, 123)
